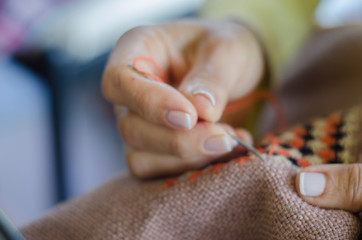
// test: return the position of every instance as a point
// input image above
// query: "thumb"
(332, 186)
(225, 68)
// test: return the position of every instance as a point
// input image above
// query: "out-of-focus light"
(85, 29)
(332, 13)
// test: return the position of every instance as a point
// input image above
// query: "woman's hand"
(208, 63)
(332, 186)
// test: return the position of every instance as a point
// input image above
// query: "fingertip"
(311, 184)
(179, 119)
(205, 105)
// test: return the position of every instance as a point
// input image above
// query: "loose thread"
(161, 76)
(231, 107)
(274, 143)
(194, 175)
(218, 166)
(168, 183)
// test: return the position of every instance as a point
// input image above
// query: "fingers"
(227, 67)
(332, 186)
(155, 102)
(146, 165)
(156, 150)
(204, 142)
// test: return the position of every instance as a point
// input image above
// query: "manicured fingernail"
(179, 119)
(311, 184)
(235, 143)
(218, 144)
(204, 95)
(232, 133)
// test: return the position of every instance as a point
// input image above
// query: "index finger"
(153, 101)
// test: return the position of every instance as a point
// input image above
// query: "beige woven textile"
(252, 200)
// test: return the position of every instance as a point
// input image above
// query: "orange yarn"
(299, 131)
(169, 182)
(246, 101)
(328, 140)
(158, 68)
(194, 175)
(217, 166)
(283, 152)
(326, 155)
(303, 162)
(233, 106)
(241, 160)
(297, 142)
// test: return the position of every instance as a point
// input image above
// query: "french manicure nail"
(179, 119)
(311, 184)
(218, 144)
(206, 94)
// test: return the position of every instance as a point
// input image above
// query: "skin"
(195, 55)
(222, 57)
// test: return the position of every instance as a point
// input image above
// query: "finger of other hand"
(332, 186)
(205, 142)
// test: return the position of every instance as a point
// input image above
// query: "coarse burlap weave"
(248, 199)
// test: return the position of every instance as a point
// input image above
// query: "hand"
(332, 186)
(208, 63)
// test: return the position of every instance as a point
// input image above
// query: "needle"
(250, 148)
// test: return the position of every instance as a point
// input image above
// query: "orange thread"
(241, 160)
(194, 175)
(299, 131)
(326, 155)
(246, 101)
(168, 183)
(158, 68)
(217, 166)
(297, 142)
(274, 142)
(328, 140)
(272, 149)
(303, 162)
(330, 130)
(233, 106)
(283, 152)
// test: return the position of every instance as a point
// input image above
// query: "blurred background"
(58, 137)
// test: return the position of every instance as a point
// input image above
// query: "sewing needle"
(250, 148)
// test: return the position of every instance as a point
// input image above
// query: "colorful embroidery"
(322, 140)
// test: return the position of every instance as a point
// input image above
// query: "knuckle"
(354, 184)
(176, 146)
(141, 101)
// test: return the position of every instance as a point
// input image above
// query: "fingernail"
(204, 96)
(179, 119)
(218, 144)
(235, 143)
(232, 133)
(311, 184)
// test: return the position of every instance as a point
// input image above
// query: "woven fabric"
(245, 198)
